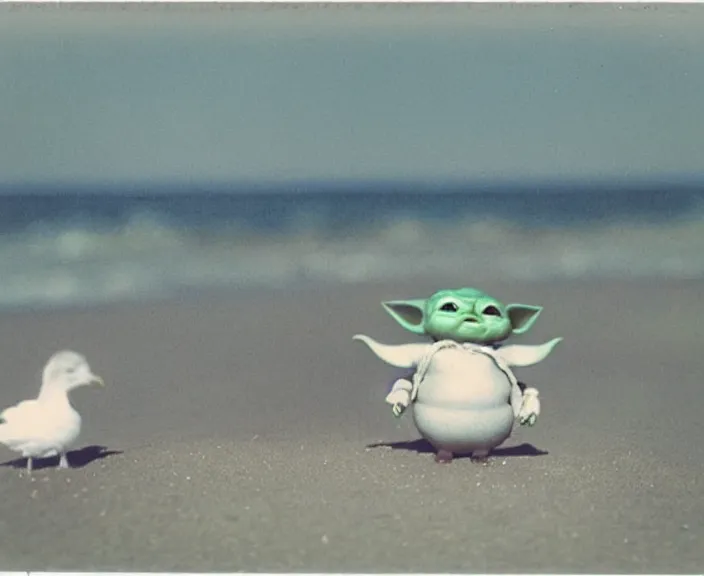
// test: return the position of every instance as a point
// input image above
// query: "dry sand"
(239, 432)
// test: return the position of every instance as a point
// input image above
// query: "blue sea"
(84, 245)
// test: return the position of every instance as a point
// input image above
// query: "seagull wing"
(25, 428)
(25, 410)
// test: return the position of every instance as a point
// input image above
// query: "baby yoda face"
(465, 315)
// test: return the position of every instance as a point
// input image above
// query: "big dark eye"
(492, 311)
(449, 307)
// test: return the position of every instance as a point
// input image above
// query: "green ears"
(522, 317)
(410, 314)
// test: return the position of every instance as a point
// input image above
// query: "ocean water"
(64, 246)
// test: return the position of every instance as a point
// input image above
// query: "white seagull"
(48, 425)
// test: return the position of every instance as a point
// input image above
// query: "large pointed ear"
(408, 313)
(522, 317)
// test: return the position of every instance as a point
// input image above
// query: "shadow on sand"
(423, 447)
(76, 458)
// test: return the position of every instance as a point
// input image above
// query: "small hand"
(529, 421)
(530, 408)
(398, 409)
(399, 400)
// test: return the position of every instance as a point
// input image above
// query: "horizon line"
(274, 185)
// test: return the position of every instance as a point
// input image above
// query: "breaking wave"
(148, 256)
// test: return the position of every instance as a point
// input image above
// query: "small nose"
(470, 310)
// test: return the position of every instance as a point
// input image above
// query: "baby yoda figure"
(465, 396)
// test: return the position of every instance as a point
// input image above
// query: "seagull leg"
(63, 461)
(29, 465)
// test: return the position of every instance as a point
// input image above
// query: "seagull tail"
(4, 431)
(8, 436)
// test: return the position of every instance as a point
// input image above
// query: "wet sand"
(249, 432)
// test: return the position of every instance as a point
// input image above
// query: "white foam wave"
(145, 258)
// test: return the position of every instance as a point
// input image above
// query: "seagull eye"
(492, 311)
(449, 307)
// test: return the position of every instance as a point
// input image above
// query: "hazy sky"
(412, 92)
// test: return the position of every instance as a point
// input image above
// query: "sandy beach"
(249, 432)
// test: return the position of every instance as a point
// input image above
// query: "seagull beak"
(97, 380)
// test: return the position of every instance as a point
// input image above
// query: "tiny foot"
(63, 462)
(443, 457)
(480, 456)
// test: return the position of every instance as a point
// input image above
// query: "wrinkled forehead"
(466, 295)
